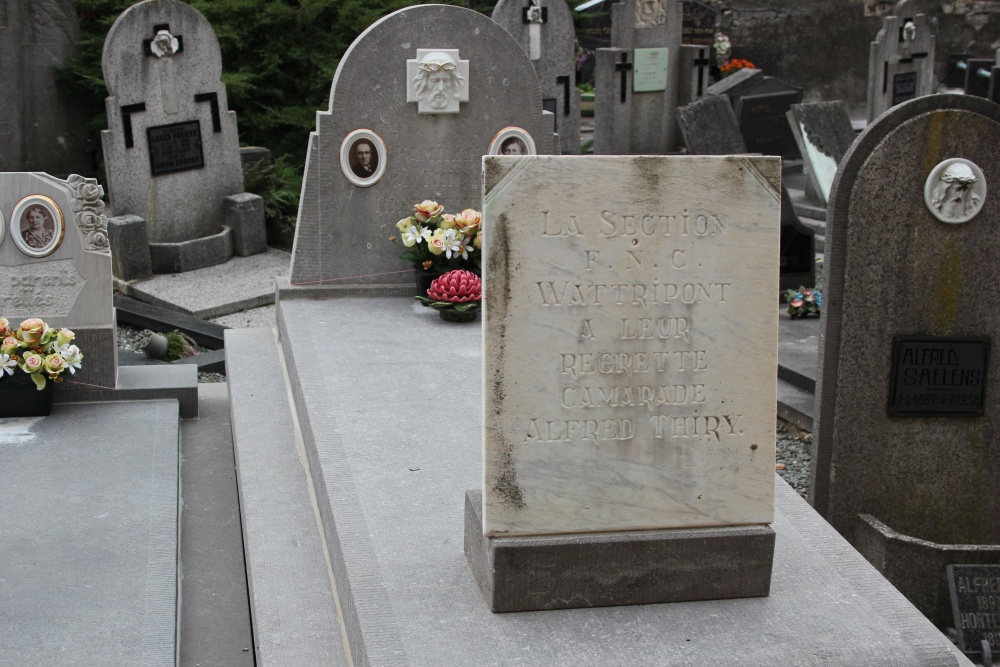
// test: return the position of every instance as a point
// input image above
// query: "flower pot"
(458, 315)
(22, 398)
(156, 348)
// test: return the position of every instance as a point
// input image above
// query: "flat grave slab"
(393, 460)
(88, 559)
(240, 284)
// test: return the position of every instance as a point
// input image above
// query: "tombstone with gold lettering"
(55, 265)
(417, 100)
(630, 360)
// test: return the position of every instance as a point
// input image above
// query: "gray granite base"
(917, 567)
(190, 255)
(88, 555)
(607, 569)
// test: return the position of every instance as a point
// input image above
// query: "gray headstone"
(62, 274)
(343, 230)
(547, 36)
(901, 61)
(693, 77)
(823, 133)
(38, 130)
(171, 148)
(908, 439)
(737, 83)
(634, 112)
(709, 127)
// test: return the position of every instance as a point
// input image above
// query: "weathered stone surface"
(630, 345)
(693, 76)
(550, 47)
(709, 127)
(824, 134)
(199, 253)
(627, 120)
(572, 571)
(147, 91)
(427, 156)
(901, 62)
(129, 247)
(893, 268)
(71, 285)
(245, 217)
(39, 131)
(89, 555)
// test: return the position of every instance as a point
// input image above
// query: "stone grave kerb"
(544, 28)
(162, 65)
(344, 221)
(629, 121)
(67, 283)
(901, 60)
(892, 268)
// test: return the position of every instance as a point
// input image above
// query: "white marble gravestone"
(65, 277)
(630, 343)
(544, 28)
(171, 147)
(348, 210)
(38, 130)
(901, 60)
(636, 79)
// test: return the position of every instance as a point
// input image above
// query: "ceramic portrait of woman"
(37, 226)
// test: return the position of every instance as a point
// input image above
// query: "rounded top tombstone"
(149, 32)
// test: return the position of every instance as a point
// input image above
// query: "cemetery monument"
(452, 83)
(824, 134)
(901, 60)
(171, 147)
(908, 379)
(636, 79)
(630, 364)
(544, 28)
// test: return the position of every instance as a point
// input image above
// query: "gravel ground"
(794, 453)
(127, 340)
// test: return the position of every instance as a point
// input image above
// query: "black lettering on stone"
(175, 147)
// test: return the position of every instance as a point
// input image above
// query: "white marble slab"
(630, 342)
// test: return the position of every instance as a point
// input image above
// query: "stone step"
(295, 616)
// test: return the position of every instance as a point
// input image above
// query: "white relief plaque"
(630, 342)
(650, 13)
(955, 190)
(437, 80)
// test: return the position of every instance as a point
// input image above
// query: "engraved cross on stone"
(535, 15)
(624, 67)
(164, 46)
(701, 64)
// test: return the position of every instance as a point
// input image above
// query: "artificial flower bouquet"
(439, 242)
(734, 66)
(37, 349)
(459, 291)
(804, 301)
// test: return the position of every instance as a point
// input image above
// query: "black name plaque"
(175, 147)
(904, 87)
(938, 376)
(975, 601)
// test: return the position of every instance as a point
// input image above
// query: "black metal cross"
(624, 67)
(701, 63)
